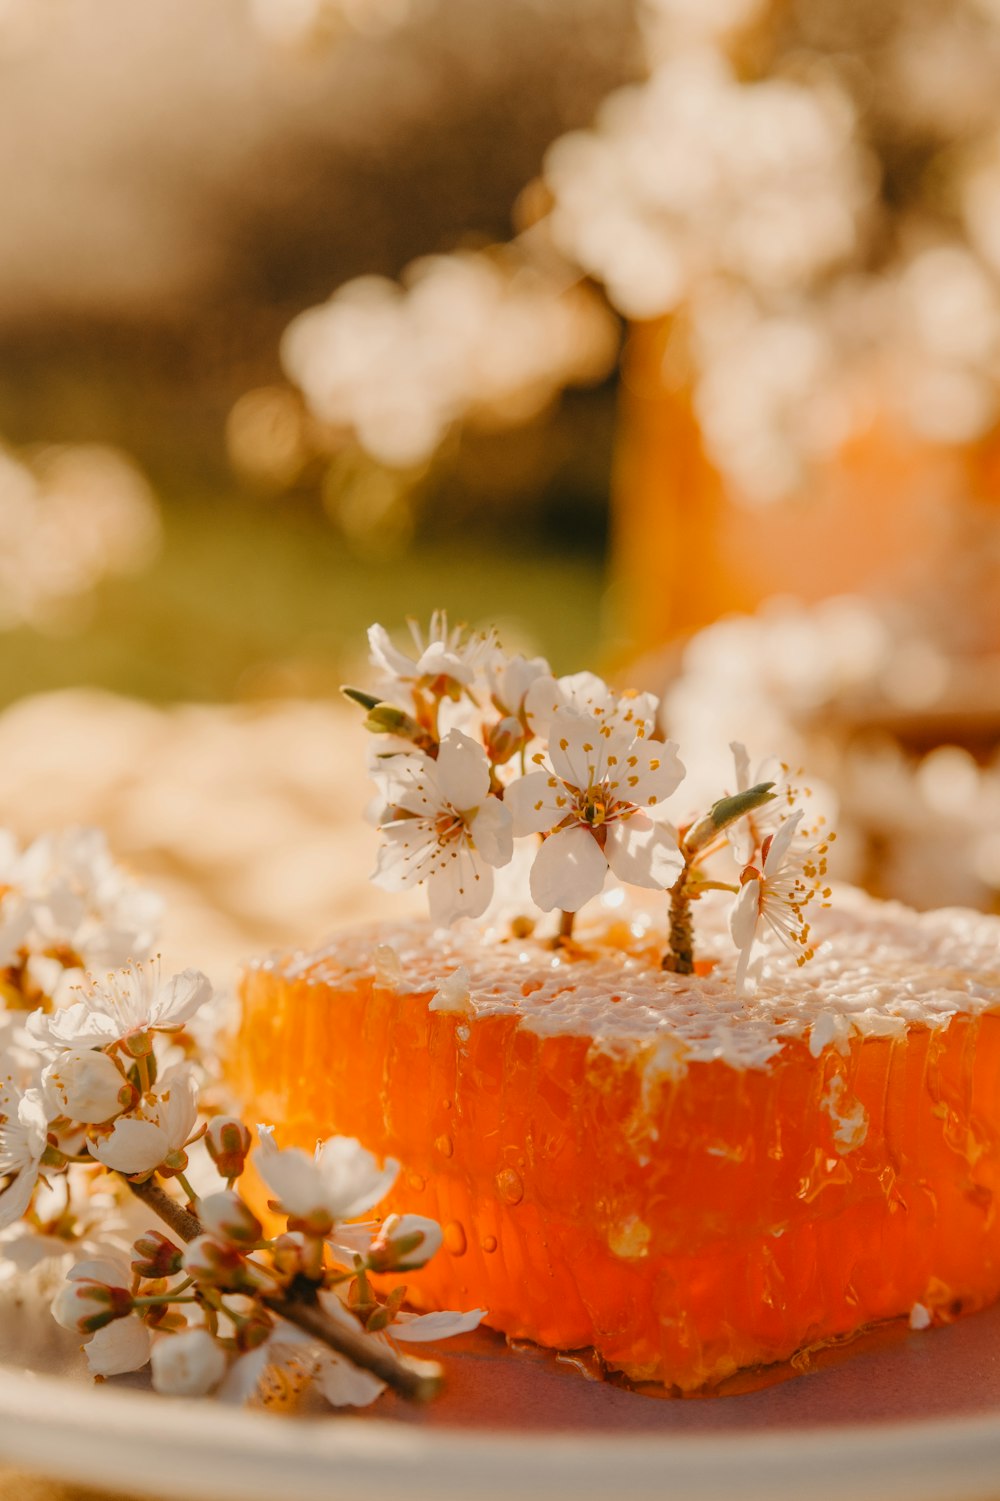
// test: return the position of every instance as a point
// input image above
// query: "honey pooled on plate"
(689, 1181)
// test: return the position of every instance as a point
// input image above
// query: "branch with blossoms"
(97, 1084)
(476, 750)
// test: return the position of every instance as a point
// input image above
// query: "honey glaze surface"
(689, 1181)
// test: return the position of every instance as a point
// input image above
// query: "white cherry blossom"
(119, 1347)
(94, 1295)
(598, 804)
(405, 1242)
(511, 679)
(23, 1132)
(586, 693)
(15, 926)
(339, 1182)
(444, 654)
(121, 1005)
(442, 826)
(289, 1361)
(85, 1085)
(188, 1364)
(777, 895)
(83, 902)
(162, 1124)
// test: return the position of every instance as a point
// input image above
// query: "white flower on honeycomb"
(778, 893)
(468, 336)
(598, 803)
(23, 1130)
(442, 827)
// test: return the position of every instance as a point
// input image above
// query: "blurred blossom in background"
(665, 333)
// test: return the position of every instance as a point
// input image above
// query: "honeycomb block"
(689, 1181)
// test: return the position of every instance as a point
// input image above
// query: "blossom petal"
(294, 1178)
(178, 1113)
(532, 803)
(775, 857)
(347, 1385)
(178, 1000)
(134, 1146)
(741, 761)
(461, 887)
(542, 701)
(119, 1347)
(491, 831)
(643, 853)
(415, 1328)
(112, 1271)
(463, 772)
(657, 772)
(569, 869)
(745, 914)
(578, 747)
(386, 657)
(352, 1176)
(15, 1198)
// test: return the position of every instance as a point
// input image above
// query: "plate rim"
(108, 1441)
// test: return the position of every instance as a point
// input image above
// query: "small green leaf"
(726, 811)
(359, 696)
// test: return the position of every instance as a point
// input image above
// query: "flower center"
(448, 825)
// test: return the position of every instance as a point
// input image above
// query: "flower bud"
(225, 1215)
(254, 1330)
(187, 1365)
(213, 1264)
(138, 1044)
(86, 1086)
(85, 1305)
(405, 1242)
(154, 1255)
(505, 738)
(288, 1253)
(725, 812)
(228, 1141)
(176, 1161)
(386, 719)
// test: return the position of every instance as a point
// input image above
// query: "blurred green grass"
(249, 600)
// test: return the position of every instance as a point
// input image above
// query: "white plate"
(918, 1418)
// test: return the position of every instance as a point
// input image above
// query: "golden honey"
(689, 1181)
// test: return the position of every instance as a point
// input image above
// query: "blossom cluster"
(98, 1077)
(70, 517)
(477, 751)
(474, 336)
